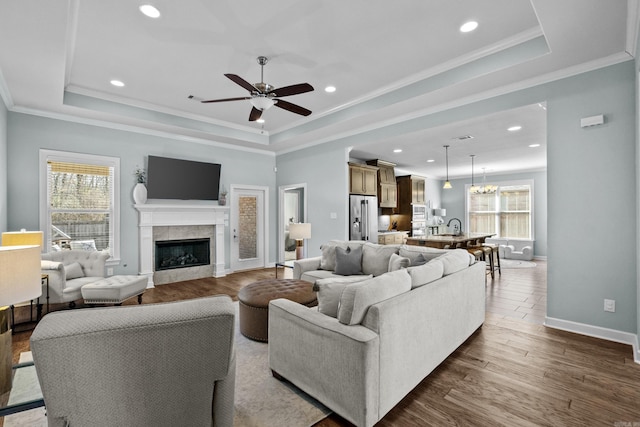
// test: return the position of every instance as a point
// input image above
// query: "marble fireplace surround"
(152, 215)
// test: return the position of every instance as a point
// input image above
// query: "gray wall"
(454, 201)
(590, 172)
(28, 134)
(3, 167)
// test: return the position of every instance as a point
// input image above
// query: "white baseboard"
(597, 332)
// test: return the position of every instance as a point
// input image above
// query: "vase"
(140, 194)
(222, 200)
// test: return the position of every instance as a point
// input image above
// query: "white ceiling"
(390, 62)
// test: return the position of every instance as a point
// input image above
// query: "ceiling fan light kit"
(264, 96)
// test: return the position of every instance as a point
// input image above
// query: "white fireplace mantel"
(155, 215)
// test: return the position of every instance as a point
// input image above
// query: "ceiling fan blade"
(255, 114)
(242, 82)
(292, 107)
(226, 99)
(292, 90)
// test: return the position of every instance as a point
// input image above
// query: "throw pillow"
(83, 245)
(328, 258)
(375, 258)
(396, 262)
(348, 261)
(419, 252)
(419, 260)
(358, 297)
(329, 292)
(456, 260)
(73, 271)
(427, 273)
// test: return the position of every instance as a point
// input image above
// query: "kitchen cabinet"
(387, 188)
(392, 238)
(363, 179)
(411, 191)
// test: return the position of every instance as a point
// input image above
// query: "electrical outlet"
(610, 305)
(110, 271)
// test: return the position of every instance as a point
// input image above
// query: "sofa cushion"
(396, 262)
(357, 297)
(427, 273)
(328, 259)
(329, 292)
(73, 271)
(418, 253)
(375, 258)
(348, 261)
(456, 260)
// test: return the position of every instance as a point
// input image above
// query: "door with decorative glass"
(248, 227)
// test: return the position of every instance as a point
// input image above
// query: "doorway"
(249, 233)
(293, 209)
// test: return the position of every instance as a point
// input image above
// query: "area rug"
(516, 263)
(261, 400)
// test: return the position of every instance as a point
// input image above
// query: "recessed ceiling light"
(430, 161)
(150, 11)
(398, 150)
(514, 128)
(468, 26)
(117, 83)
(260, 120)
(330, 89)
(534, 145)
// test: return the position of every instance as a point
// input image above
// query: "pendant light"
(447, 183)
(473, 188)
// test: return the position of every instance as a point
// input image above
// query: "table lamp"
(20, 280)
(23, 237)
(299, 232)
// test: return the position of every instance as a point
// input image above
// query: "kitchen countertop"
(440, 240)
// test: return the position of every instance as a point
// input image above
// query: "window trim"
(529, 182)
(71, 157)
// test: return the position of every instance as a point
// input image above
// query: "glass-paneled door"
(247, 227)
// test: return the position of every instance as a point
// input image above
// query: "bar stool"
(478, 253)
(495, 257)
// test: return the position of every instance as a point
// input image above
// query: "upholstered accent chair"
(68, 271)
(170, 364)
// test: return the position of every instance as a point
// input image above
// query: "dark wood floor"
(512, 371)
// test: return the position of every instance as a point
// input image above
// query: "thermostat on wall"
(592, 121)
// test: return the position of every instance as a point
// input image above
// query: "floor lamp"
(299, 232)
(19, 281)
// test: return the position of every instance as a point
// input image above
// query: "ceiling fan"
(264, 96)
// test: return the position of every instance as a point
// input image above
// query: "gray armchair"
(148, 365)
(68, 271)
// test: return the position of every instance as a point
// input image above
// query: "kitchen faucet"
(455, 226)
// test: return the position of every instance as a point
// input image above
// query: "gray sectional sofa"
(375, 335)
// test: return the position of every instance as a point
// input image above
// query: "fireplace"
(180, 221)
(183, 253)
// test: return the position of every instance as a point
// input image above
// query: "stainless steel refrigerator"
(363, 218)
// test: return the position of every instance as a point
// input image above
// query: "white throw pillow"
(396, 262)
(83, 245)
(73, 271)
(427, 273)
(329, 292)
(375, 258)
(456, 260)
(358, 297)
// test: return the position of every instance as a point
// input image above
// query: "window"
(81, 198)
(507, 213)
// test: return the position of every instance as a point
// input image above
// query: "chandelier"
(484, 188)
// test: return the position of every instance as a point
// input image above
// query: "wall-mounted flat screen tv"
(182, 179)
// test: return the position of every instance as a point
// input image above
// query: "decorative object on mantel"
(222, 200)
(140, 190)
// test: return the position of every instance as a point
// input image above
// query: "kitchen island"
(449, 241)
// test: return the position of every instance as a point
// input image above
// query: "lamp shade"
(20, 278)
(300, 231)
(21, 238)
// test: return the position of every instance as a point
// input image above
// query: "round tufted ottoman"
(254, 303)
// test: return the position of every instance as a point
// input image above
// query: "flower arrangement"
(141, 175)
